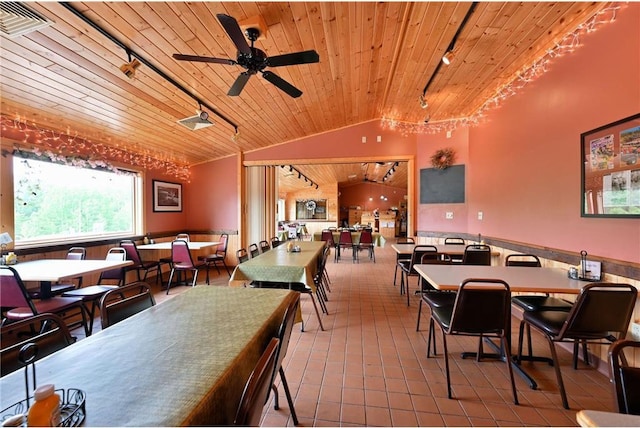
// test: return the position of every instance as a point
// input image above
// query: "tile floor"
(369, 368)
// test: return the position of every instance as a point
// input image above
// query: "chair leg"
(507, 351)
(195, 278)
(395, 274)
(288, 394)
(446, 362)
(556, 364)
(276, 401)
(170, 279)
(419, 314)
(313, 300)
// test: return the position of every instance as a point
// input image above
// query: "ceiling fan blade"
(181, 57)
(282, 84)
(235, 32)
(304, 57)
(238, 85)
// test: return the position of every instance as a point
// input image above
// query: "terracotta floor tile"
(378, 416)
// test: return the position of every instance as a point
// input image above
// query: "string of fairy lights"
(68, 148)
(568, 44)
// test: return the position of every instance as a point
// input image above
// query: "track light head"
(423, 102)
(448, 57)
(129, 68)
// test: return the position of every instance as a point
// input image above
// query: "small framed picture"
(167, 197)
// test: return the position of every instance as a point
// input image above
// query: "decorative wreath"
(311, 205)
(443, 158)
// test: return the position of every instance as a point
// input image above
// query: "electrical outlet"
(635, 331)
(449, 215)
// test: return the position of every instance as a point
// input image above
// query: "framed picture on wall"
(610, 157)
(167, 197)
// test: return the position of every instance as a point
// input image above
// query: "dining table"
(48, 271)
(281, 265)
(598, 418)
(182, 362)
(520, 279)
(451, 250)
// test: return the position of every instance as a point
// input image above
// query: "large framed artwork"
(610, 157)
(167, 197)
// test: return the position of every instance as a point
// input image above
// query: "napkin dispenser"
(589, 270)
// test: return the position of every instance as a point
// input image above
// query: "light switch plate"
(449, 215)
(480, 215)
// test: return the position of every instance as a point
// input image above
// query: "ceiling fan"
(253, 60)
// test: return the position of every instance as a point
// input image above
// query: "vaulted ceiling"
(376, 59)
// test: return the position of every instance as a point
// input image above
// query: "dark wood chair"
(264, 246)
(586, 322)
(18, 305)
(482, 308)
(119, 304)
(256, 390)
(242, 255)
(275, 242)
(624, 377)
(47, 331)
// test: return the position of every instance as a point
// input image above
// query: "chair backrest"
(180, 254)
(256, 390)
(13, 293)
(284, 334)
(522, 260)
(432, 258)
(588, 319)
(481, 306)
(366, 237)
(327, 236)
(419, 251)
(264, 246)
(224, 242)
(52, 335)
(253, 250)
(345, 237)
(477, 254)
(242, 255)
(132, 251)
(454, 241)
(624, 378)
(183, 236)
(121, 303)
(275, 241)
(77, 253)
(114, 254)
(405, 240)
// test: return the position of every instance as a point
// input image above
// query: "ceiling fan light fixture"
(448, 57)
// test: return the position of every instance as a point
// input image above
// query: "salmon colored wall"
(342, 143)
(359, 194)
(212, 197)
(157, 222)
(525, 159)
(431, 217)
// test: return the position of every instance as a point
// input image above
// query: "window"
(55, 202)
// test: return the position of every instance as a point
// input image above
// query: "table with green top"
(182, 362)
(280, 265)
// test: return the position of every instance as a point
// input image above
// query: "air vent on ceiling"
(199, 121)
(16, 19)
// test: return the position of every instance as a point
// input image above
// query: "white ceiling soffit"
(16, 19)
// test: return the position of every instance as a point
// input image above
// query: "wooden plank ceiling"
(375, 60)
